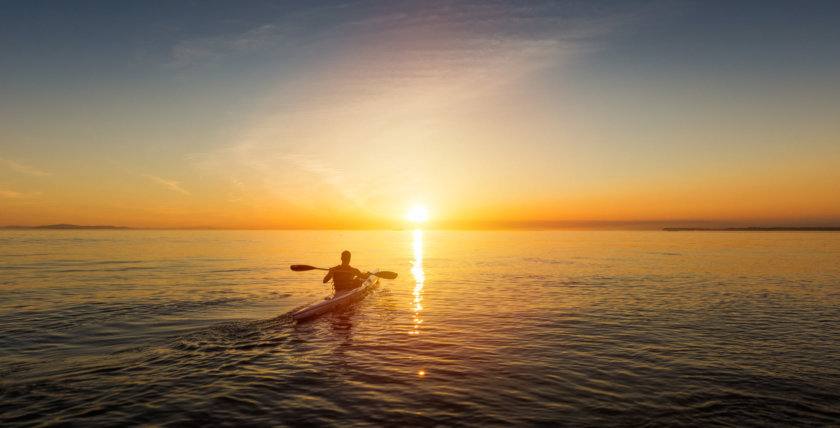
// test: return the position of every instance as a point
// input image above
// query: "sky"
(491, 114)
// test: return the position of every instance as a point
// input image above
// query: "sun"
(417, 214)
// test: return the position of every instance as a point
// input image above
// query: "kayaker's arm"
(361, 275)
(329, 276)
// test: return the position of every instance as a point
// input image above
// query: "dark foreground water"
(114, 328)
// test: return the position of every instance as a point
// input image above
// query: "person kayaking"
(344, 276)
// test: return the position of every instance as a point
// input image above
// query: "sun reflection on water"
(419, 279)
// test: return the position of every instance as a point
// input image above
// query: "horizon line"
(618, 225)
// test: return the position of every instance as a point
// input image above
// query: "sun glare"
(417, 214)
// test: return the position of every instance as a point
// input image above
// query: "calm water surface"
(105, 328)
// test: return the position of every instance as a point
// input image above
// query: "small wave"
(99, 312)
(549, 261)
(231, 270)
(9, 369)
(279, 295)
(236, 335)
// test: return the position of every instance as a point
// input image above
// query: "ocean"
(481, 328)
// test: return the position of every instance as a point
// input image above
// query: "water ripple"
(543, 328)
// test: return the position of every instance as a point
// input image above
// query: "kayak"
(340, 300)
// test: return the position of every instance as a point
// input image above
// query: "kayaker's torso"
(345, 277)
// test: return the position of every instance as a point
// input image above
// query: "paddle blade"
(301, 268)
(386, 274)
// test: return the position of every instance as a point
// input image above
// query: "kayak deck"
(339, 300)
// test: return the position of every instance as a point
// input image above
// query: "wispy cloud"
(255, 169)
(170, 184)
(11, 194)
(203, 49)
(441, 26)
(392, 84)
(23, 169)
(321, 169)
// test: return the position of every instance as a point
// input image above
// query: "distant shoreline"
(753, 229)
(67, 227)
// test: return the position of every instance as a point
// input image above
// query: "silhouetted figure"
(344, 276)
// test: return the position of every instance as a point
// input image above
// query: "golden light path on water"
(419, 279)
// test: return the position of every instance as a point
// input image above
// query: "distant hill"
(67, 227)
(754, 229)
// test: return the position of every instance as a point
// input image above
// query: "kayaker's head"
(345, 257)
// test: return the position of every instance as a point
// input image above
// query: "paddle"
(382, 274)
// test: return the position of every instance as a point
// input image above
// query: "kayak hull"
(340, 300)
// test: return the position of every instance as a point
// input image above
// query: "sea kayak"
(340, 300)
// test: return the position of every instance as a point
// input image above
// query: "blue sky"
(285, 114)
